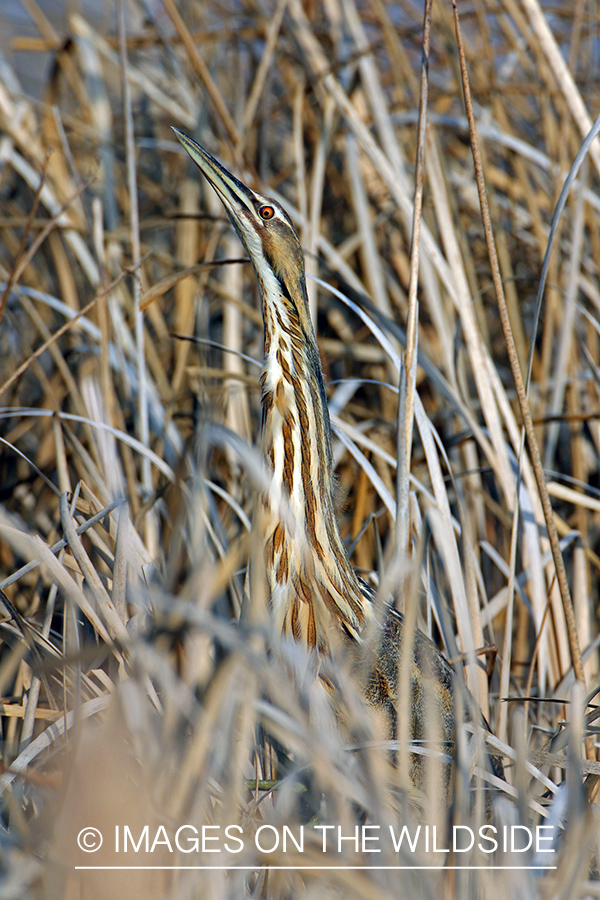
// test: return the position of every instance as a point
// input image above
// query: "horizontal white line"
(319, 868)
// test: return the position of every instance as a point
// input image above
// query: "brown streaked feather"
(311, 631)
(285, 367)
(295, 619)
(283, 567)
(288, 452)
(267, 404)
(278, 537)
(280, 398)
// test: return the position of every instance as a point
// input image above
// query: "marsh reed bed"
(130, 346)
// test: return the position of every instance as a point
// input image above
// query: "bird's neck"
(312, 582)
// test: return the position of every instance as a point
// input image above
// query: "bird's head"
(263, 226)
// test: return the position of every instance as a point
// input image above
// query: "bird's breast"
(313, 587)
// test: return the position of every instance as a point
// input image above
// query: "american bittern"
(314, 590)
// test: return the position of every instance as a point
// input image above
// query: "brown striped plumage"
(314, 590)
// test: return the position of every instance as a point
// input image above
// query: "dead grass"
(129, 344)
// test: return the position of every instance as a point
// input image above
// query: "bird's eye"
(266, 212)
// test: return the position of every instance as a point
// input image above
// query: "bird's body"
(312, 583)
(314, 590)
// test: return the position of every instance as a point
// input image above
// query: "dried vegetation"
(130, 339)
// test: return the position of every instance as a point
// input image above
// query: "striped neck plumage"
(312, 582)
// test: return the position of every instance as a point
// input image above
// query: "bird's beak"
(231, 191)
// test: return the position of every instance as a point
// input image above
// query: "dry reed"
(130, 341)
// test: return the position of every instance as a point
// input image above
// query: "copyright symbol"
(89, 840)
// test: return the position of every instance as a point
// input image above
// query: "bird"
(315, 595)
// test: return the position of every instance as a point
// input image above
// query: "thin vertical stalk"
(532, 444)
(408, 369)
(134, 224)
